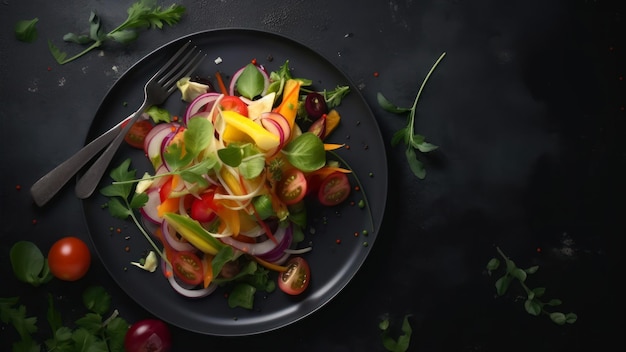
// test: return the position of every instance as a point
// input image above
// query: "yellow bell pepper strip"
(332, 146)
(239, 128)
(207, 269)
(332, 121)
(192, 231)
(288, 107)
(270, 266)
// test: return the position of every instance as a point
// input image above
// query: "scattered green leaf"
(250, 83)
(306, 152)
(407, 134)
(29, 264)
(26, 30)
(532, 304)
(143, 14)
(401, 344)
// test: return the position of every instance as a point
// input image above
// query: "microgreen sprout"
(407, 134)
(533, 303)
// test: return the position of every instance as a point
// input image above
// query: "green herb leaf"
(26, 30)
(333, 97)
(306, 152)
(29, 264)
(250, 83)
(242, 295)
(97, 300)
(502, 284)
(493, 264)
(402, 342)
(142, 14)
(532, 306)
(412, 140)
(159, 114)
(231, 155)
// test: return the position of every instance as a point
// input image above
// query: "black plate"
(339, 246)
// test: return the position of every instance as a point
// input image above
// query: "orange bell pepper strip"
(288, 107)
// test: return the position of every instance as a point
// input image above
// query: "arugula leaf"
(26, 30)
(144, 14)
(333, 98)
(406, 135)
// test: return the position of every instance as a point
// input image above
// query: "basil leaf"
(306, 152)
(231, 155)
(251, 82)
(29, 264)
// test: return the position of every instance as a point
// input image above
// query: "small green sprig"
(123, 201)
(533, 303)
(142, 14)
(407, 135)
(401, 344)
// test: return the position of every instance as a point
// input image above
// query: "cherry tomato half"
(334, 189)
(203, 209)
(148, 335)
(187, 267)
(292, 187)
(137, 133)
(234, 103)
(296, 278)
(69, 258)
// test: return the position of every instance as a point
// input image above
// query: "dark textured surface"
(528, 111)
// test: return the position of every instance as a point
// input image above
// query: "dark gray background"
(528, 111)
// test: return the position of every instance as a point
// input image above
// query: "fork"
(156, 91)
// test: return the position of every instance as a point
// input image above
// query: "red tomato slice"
(137, 133)
(334, 189)
(296, 278)
(292, 187)
(233, 103)
(204, 208)
(166, 189)
(187, 267)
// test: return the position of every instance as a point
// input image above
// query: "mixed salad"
(231, 178)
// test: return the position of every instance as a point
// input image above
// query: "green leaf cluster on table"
(143, 14)
(533, 304)
(92, 332)
(401, 344)
(414, 142)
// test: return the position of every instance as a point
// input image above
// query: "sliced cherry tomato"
(334, 189)
(234, 103)
(69, 258)
(292, 186)
(296, 278)
(137, 133)
(204, 208)
(187, 267)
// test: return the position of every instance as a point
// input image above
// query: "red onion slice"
(188, 292)
(198, 105)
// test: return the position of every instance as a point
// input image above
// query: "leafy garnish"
(123, 201)
(402, 343)
(306, 152)
(280, 77)
(26, 30)
(407, 135)
(250, 82)
(90, 333)
(143, 14)
(333, 97)
(533, 304)
(29, 264)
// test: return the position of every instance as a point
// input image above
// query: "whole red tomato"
(69, 258)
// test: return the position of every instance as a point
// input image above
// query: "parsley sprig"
(123, 201)
(414, 142)
(533, 303)
(142, 14)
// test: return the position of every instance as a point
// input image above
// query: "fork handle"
(89, 181)
(51, 183)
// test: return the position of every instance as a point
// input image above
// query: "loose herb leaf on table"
(401, 344)
(26, 30)
(414, 142)
(29, 264)
(143, 14)
(533, 304)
